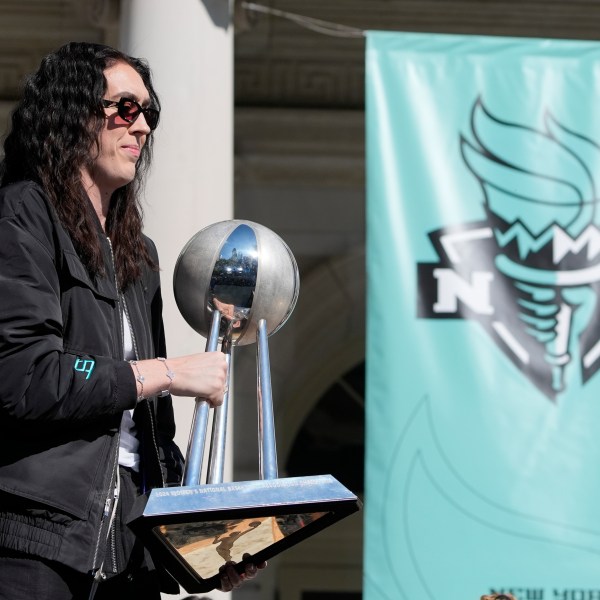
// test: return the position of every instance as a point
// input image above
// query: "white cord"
(317, 25)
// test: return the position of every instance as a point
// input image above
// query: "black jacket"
(65, 385)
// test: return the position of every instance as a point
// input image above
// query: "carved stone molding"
(30, 30)
(279, 63)
(299, 147)
(15, 64)
(291, 82)
(103, 13)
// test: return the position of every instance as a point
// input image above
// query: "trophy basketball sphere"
(243, 270)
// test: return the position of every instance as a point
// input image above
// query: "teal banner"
(483, 260)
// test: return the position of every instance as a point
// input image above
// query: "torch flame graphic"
(542, 203)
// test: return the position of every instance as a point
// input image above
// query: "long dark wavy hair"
(55, 132)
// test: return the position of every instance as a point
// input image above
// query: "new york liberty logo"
(529, 272)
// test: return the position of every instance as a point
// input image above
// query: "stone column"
(189, 46)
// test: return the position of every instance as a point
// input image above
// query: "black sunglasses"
(129, 110)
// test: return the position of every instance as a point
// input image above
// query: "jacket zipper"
(115, 481)
(110, 511)
(112, 496)
(113, 523)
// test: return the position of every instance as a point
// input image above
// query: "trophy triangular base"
(194, 530)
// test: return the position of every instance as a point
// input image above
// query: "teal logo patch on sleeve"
(85, 366)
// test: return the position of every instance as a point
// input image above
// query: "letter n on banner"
(483, 391)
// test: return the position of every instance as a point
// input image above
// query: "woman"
(86, 420)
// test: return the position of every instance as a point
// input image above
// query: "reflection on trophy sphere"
(242, 269)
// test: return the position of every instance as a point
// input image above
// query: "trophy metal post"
(236, 281)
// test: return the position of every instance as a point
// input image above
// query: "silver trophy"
(236, 282)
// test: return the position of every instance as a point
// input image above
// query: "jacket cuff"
(126, 388)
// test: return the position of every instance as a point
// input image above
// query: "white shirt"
(129, 444)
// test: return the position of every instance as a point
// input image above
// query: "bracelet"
(170, 375)
(140, 378)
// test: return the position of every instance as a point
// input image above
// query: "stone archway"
(324, 408)
(329, 340)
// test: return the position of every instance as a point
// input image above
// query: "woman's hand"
(231, 579)
(202, 375)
